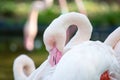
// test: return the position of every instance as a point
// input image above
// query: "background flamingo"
(79, 3)
(31, 28)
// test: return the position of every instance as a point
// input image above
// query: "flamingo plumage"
(88, 61)
(113, 40)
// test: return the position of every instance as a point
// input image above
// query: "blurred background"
(104, 15)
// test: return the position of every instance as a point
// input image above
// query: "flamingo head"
(54, 42)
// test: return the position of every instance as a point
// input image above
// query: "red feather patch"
(105, 76)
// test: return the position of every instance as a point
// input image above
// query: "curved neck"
(63, 6)
(33, 17)
(83, 24)
(19, 72)
(23, 66)
(113, 38)
(48, 3)
(55, 34)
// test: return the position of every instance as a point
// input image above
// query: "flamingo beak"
(55, 56)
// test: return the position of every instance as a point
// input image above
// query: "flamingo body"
(87, 61)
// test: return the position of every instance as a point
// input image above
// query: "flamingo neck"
(63, 6)
(49, 3)
(83, 24)
(33, 16)
(29, 43)
(19, 73)
(105, 76)
(55, 56)
(113, 38)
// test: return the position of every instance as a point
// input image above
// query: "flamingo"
(30, 28)
(54, 44)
